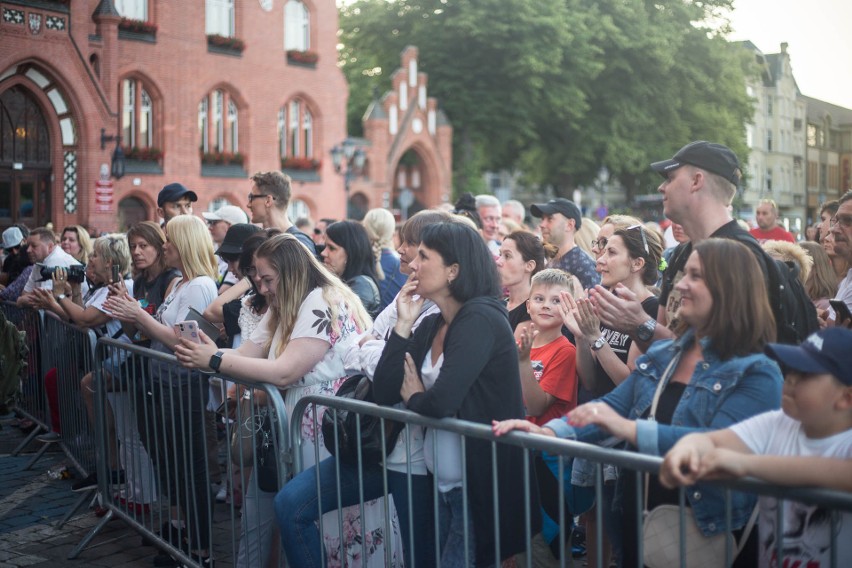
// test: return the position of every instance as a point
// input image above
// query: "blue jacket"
(720, 393)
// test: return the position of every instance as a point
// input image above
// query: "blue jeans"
(453, 534)
(297, 509)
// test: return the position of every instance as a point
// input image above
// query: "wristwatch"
(60, 297)
(598, 344)
(646, 331)
(216, 360)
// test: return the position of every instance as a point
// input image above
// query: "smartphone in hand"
(187, 330)
(842, 315)
(116, 274)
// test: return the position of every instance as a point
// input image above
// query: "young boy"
(808, 443)
(548, 361)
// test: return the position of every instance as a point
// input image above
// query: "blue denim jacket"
(720, 393)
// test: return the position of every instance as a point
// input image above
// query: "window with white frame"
(133, 9)
(219, 17)
(137, 115)
(296, 130)
(297, 26)
(218, 123)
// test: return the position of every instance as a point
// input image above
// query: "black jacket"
(480, 382)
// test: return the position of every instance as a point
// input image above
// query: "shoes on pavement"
(48, 437)
(87, 484)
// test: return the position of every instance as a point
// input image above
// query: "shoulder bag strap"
(661, 386)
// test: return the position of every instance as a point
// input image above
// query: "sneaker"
(48, 437)
(88, 484)
(222, 494)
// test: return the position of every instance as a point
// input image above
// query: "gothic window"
(133, 9)
(296, 130)
(218, 123)
(219, 17)
(24, 137)
(297, 26)
(137, 115)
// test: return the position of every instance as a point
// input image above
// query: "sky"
(820, 48)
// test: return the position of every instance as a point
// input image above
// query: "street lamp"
(352, 156)
(117, 160)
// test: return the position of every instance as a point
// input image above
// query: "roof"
(817, 110)
(106, 8)
(375, 111)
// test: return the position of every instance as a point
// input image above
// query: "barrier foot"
(80, 502)
(92, 533)
(37, 456)
(26, 442)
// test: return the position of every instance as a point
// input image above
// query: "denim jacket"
(719, 394)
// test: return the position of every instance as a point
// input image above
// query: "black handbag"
(267, 460)
(343, 441)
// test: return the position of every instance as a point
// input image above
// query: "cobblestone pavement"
(31, 504)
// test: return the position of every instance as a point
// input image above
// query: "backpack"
(795, 314)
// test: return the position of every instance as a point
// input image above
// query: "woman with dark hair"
(522, 256)
(713, 374)
(462, 362)
(466, 207)
(349, 254)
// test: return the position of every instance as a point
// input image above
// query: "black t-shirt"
(620, 344)
(518, 315)
(14, 264)
(153, 292)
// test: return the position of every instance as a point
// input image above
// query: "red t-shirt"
(776, 234)
(555, 369)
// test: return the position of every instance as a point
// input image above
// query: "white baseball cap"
(12, 237)
(229, 213)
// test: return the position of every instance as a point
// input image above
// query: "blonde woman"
(586, 235)
(380, 225)
(174, 400)
(75, 241)
(821, 284)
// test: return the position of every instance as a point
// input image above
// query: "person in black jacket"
(349, 254)
(461, 363)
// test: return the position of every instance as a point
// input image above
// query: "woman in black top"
(349, 254)
(468, 359)
(521, 257)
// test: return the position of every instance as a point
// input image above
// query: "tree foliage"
(558, 88)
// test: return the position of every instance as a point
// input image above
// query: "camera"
(76, 273)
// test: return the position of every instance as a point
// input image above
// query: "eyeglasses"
(600, 243)
(845, 221)
(253, 196)
(642, 232)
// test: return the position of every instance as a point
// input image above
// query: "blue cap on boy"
(826, 351)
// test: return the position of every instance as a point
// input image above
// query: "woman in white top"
(174, 399)
(313, 318)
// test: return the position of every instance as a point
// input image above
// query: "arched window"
(296, 130)
(297, 26)
(218, 123)
(137, 115)
(219, 17)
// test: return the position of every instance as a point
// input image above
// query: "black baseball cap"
(173, 192)
(715, 158)
(559, 205)
(235, 237)
(826, 351)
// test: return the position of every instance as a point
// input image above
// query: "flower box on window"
(150, 154)
(300, 163)
(137, 30)
(225, 44)
(222, 158)
(307, 58)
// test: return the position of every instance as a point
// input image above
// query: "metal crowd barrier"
(31, 402)
(832, 501)
(169, 455)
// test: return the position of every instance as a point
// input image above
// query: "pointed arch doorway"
(25, 164)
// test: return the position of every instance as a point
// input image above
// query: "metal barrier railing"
(832, 501)
(31, 403)
(164, 448)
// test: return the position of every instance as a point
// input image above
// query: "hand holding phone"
(187, 330)
(116, 274)
(842, 315)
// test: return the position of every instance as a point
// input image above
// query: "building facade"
(828, 137)
(204, 93)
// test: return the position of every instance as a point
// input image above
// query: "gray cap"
(12, 237)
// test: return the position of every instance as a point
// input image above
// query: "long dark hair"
(246, 260)
(458, 244)
(352, 237)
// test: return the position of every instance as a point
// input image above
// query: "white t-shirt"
(198, 293)
(97, 299)
(313, 321)
(844, 294)
(448, 467)
(57, 257)
(806, 527)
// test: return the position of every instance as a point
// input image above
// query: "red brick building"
(202, 92)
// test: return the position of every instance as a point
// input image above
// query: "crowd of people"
(612, 332)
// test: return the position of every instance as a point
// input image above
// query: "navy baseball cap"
(173, 192)
(559, 205)
(826, 351)
(715, 158)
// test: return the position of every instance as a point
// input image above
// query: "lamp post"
(352, 156)
(117, 160)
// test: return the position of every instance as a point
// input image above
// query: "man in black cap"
(560, 220)
(175, 199)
